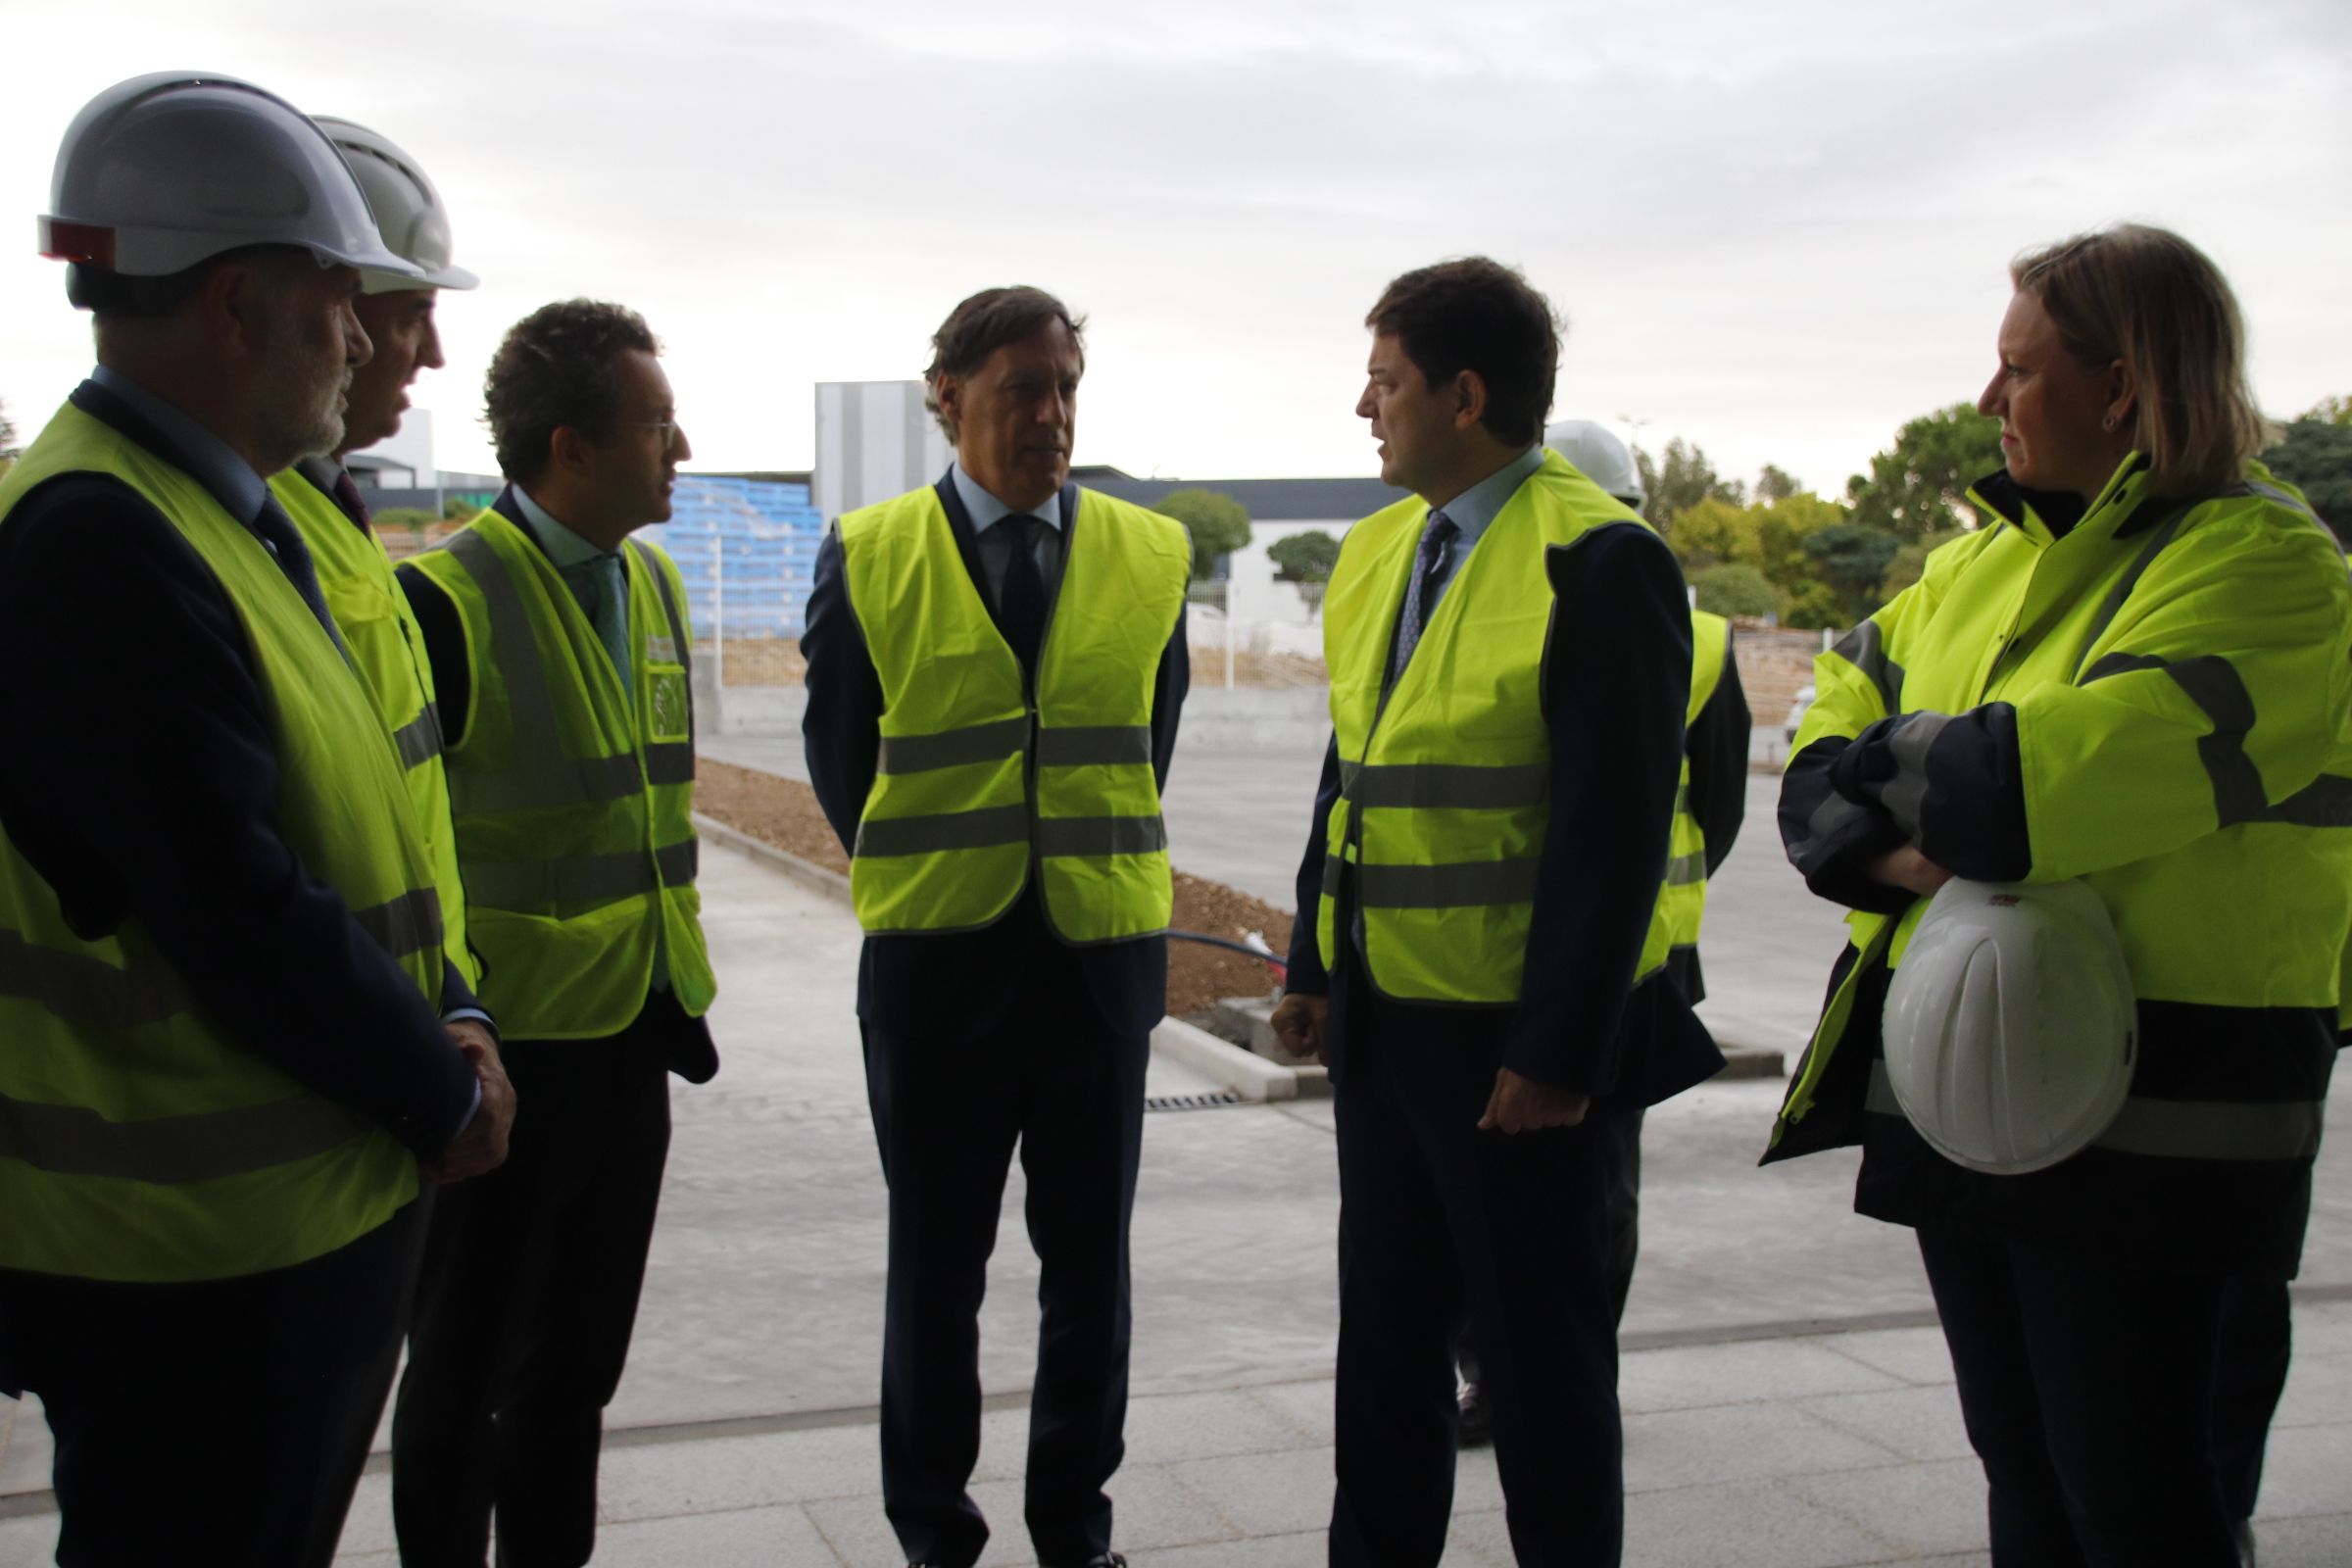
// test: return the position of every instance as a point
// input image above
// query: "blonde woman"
(2137, 674)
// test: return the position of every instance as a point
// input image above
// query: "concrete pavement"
(1788, 1401)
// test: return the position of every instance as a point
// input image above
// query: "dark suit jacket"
(143, 784)
(685, 1043)
(1616, 679)
(960, 985)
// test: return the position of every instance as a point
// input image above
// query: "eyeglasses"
(667, 428)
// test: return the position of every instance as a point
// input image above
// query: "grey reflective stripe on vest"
(173, 1150)
(670, 762)
(1461, 786)
(579, 878)
(419, 741)
(1095, 744)
(403, 926)
(1906, 794)
(1865, 647)
(2214, 684)
(1463, 885)
(87, 993)
(1685, 870)
(544, 777)
(2112, 605)
(934, 834)
(1100, 835)
(2182, 1129)
(976, 743)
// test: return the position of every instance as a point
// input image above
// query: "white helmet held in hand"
(1599, 456)
(2010, 1027)
(408, 211)
(163, 171)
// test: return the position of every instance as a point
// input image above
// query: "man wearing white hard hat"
(234, 1040)
(379, 631)
(1710, 803)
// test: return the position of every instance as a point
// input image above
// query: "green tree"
(461, 509)
(1218, 523)
(2335, 411)
(1736, 589)
(7, 434)
(1682, 481)
(2315, 457)
(1305, 556)
(1776, 484)
(1919, 485)
(1852, 561)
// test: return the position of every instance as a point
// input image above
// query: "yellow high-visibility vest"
(387, 649)
(572, 790)
(1444, 791)
(139, 1141)
(977, 782)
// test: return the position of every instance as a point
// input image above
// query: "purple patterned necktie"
(1437, 549)
(347, 496)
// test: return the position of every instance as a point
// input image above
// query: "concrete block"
(1751, 1062)
(2304, 1471)
(658, 1480)
(1246, 1074)
(1916, 1355)
(2319, 1393)
(1674, 1449)
(832, 884)
(2323, 1328)
(1175, 1427)
(2316, 1540)
(1745, 1524)
(750, 1538)
(1252, 1020)
(1754, 1371)
(1919, 1508)
(1922, 1423)
(1306, 1549)
(1266, 1494)
(31, 1539)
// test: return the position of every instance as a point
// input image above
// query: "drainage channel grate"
(1216, 1101)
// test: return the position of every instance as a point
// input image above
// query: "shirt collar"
(987, 511)
(210, 460)
(563, 547)
(1478, 506)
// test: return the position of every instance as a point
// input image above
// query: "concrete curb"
(1246, 1073)
(832, 884)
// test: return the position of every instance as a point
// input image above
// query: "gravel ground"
(783, 812)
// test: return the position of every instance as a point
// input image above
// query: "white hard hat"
(408, 209)
(1599, 456)
(2010, 1030)
(162, 171)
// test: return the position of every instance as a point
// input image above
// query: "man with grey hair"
(996, 662)
(234, 1041)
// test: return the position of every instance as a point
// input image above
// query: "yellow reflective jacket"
(572, 790)
(976, 781)
(138, 1141)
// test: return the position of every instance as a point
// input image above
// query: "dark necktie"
(1437, 549)
(278, 532)
(347, 496)
(1021, 601)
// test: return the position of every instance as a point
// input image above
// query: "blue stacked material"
(746, 548)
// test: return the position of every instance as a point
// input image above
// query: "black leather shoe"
(1478, 1419)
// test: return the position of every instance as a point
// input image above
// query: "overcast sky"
(1778, 230)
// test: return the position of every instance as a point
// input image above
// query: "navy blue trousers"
(1442, 1224)
(206, 1421)
(1054, 1080)
(2088, 1390)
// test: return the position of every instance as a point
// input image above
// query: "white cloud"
(1778, 230)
